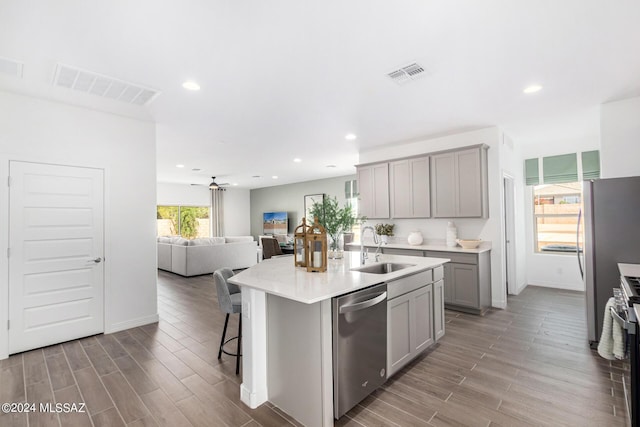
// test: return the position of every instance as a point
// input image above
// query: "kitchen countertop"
(278, 276)
(629, 270)
(439, 246)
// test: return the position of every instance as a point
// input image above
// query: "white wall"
(620, 138)
(183, 194)
(290, 198)
(237, 215)
(43, 131)
(552, 270)
(485, 229)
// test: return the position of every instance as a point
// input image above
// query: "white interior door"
(509, 233)
(56, 235)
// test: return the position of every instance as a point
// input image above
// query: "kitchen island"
(287, 329)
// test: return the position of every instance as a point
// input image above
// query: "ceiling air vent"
(407, 73)
(101, 85)
(11, 67)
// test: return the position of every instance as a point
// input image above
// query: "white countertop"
(278, 276)
(439, 246)
(629, 270)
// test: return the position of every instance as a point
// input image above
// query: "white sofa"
(204, 256)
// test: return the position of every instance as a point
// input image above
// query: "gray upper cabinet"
(459, 183)
(409, 188)
(373, 184)
(446, 184)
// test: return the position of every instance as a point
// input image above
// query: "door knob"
(97, 260)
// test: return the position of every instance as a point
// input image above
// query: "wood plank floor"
(527, 365)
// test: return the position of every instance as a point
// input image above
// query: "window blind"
(559, 169)
(590, 165)
(531, 175)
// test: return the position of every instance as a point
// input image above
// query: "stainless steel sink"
(382, 268)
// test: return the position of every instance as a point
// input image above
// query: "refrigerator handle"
(578, 244)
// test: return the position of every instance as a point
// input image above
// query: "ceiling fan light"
(213, 185)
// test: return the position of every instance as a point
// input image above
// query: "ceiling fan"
(214, 185)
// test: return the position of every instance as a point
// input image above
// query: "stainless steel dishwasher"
(359, 346)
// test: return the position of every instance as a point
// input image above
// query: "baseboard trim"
(577, 287)
(133, 323)
(252, 400)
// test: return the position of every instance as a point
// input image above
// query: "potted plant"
(384, 231)
(335, 220)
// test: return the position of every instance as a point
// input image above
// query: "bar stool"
(230, 302)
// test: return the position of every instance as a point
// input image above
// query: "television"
(275, 223)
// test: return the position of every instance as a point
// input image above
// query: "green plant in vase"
(335, 220)
(384, 231)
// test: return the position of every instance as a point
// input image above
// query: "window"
(351, 198)
(189, 222)
(556, 208)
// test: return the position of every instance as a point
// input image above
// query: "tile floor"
(526, 365)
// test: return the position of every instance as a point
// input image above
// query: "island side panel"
(298, 360)
(253, 391)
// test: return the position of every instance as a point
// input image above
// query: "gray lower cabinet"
(467, 281)
(409, 320)
(406, 252)
(438, 309)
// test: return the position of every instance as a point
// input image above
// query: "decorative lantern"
(300, 244)
(316, 249)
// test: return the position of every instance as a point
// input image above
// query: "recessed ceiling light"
(297, 160)
(189, 85)
(234, 184)
(532, 89)
(350, 136)
(179, 166)
(275, 177)
(331, 166)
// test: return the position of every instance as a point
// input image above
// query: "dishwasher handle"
(364, 304)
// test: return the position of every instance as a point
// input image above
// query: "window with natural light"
(556, 208)
(189, 222)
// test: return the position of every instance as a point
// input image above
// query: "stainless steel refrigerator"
(612, 235)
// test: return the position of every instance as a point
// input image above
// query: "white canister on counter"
(452, 234)
(415, 238)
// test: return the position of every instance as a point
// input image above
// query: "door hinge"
(8, 181)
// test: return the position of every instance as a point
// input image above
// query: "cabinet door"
(409, 186)
(420, 187)
(373, 184)
(468, 183)
(423, 309)
(448, 284)
(465, 285)
(400, 185)
(400, 334)
(380, 191)
(365, 187)
(438, 309)
(443, 181)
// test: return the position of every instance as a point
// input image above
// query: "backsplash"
(435, 229)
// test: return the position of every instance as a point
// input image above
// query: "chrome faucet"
(363, 254)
